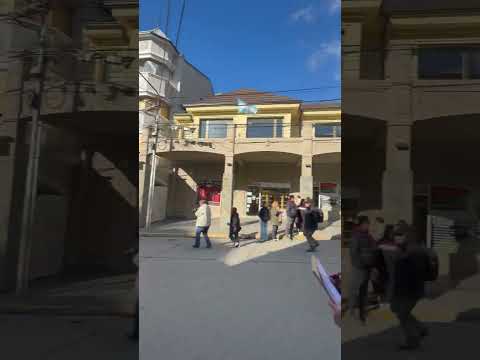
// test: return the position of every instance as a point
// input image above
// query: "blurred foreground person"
(363, 258)
(410, 268)
(337, 313)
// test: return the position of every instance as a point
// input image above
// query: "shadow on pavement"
(446, 341)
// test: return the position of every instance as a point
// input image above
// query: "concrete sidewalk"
(250, 229)
(113, 296)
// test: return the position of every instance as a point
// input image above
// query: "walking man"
(406, 284)
(204, 219)
(291, 215)
(363, 257)
(311, 218)
(264, 216)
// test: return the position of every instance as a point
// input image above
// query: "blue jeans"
(199, 230)
(263, 230)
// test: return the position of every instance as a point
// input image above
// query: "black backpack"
(432, 268)
(292, 211)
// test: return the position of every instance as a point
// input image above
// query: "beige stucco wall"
(183, 197)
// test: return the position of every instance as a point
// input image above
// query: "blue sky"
(261, 44)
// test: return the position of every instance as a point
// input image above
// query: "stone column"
(306, 173)
(306, 177)
(226, 201)
(397, 182)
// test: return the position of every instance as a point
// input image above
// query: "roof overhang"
(233, 109)
(435, 26)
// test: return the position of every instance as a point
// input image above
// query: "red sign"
(210, 193)
(448, 192)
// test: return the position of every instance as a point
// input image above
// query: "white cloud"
(324, 53)
(306, 14)
(334, 6)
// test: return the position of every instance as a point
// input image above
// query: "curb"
(216, 236)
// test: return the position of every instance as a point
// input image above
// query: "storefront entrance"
(267, 193)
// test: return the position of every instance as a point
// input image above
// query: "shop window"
(214, 129)
(449, 198)
(264, 128)
(323, 130)
(328, 188)
(210, 192)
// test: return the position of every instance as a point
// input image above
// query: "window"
(214, 129)
(323, 130)
(264, 128)
(449, 63)
(475, 64)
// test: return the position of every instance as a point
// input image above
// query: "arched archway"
(264, 176)
(191, 172)
(86, 208)
(445, 154)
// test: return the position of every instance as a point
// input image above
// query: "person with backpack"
(411, 266)
(379, 276)
(299, 216)
(291, 213)
(264, 215)
(363, 257)
(311, 218)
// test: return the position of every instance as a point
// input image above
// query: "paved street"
(26, 337)
(256, 302)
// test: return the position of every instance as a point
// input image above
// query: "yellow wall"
(292, 118)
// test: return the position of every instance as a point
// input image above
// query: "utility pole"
(153, 174)
(29, 200)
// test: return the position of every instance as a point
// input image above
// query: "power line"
(264, 92)
(168, 18)
(180, 24)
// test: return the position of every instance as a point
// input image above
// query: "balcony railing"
(240, 132)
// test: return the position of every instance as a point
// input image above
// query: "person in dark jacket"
(264, 215)
(299, 216)
(311, 218)
(379, 274)
(406, 287)
(235, 227)
(361, 244)
(291, 215)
